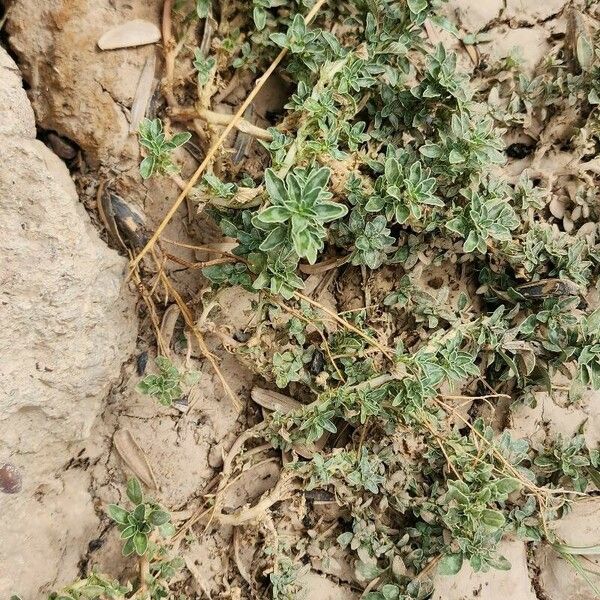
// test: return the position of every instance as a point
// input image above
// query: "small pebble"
(181, 404)
(11, 481)
(317, 363)
(241, 336)
(129, 221)
(141, 363)
(557, 207)
(215, 456)
(95, 544)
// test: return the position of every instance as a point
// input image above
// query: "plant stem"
(214, 118)
(169, 54)
(144, 571)
(385, 351)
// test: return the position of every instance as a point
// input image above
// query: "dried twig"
(209, 249)
(385, 351)
(199, 265)
(281, 491)
(486, 397)
(169, 53)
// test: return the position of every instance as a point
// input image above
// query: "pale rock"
(68, 324)
(92, 91)
(127, 35)
(16, 114)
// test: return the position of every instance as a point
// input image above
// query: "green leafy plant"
(476, 526)
(300, 207)
(276, 271)
(373, 243)
(137, 524)
(285, 576)
(159, 148)
(391, 591)
(300, 40)
(260, 11)
(203, 8)
(568, 459)
(484, 218)
(204, 65)
(167, 385)
(287, 367)
(95, 587)
(443, 278)
(467, 146)
(404, 192)
(219, 189)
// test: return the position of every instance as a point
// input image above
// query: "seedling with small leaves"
(484, 218)
(95, 587)
(137, 524)
(143, 527)
(168, 385)
(204, 65)
(299, 208)
(405, 191)
(159, 148)
(372, 243)
(568, 459)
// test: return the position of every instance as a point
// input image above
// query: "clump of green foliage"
(137, 524)
(168, 384)
(299, 209)
(387, 165)
(144, 529)
(159, 148)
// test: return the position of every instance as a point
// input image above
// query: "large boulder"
(68, 324)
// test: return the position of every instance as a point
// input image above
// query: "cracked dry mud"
(70, 339)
